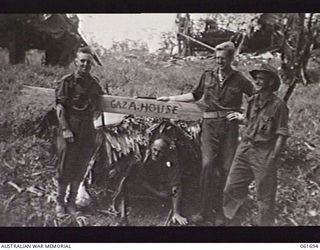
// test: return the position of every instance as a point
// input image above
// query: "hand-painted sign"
(152, 108)
(134, 106)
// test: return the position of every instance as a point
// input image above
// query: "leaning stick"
(168, 219)
(196, 41)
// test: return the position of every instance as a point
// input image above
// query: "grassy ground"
(27, 162)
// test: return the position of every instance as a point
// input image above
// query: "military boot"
(72, 208)
(71, 204)
(60, 208)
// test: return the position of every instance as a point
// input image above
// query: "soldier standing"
(257, 155)
(218, 93)
(76, 100)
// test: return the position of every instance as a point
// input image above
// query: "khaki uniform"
(265, 122)
(219, 137)
(78, 96)
(163, 175)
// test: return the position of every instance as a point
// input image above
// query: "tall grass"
(136, 74)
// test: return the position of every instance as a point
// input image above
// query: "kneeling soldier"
(161, 176)
(256, 157)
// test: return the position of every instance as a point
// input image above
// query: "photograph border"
(159, 234)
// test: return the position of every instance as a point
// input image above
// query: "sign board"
(134, 106)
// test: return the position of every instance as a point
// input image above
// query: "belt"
(216, 114)
(252, 142)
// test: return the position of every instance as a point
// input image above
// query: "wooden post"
(123, 201)
(196, 41)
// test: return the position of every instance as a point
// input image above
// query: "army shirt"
(213, 93)
(266, 119)
(78, 94)
(163, 174)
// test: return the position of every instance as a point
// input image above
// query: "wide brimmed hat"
(266, 68)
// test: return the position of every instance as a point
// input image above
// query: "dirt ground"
(141, 212)
(142, 208)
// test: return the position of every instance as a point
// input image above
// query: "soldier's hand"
(235, 116)
(177, 218)
(164, 98)
(68, 135)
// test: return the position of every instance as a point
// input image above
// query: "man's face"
(223, 59)
(84, 63)
(262, 81)
(158, 150)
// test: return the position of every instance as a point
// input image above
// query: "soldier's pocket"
(232, 93)
(74, 124)
(265, 125)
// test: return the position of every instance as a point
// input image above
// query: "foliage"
(137, 73)
(168, 44)
(295, 35)
(235, 21)
(300, 173)
(28, 161)
(18, 113)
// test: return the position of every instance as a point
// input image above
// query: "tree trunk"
(294, 55)
(16, 48)
(243, 37)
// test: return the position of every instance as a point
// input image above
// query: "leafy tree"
(301, 32)
(294, 35)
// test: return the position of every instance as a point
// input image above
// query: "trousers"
(219, 140)
(73, 158)
(250, 164)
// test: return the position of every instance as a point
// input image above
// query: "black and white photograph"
(159, 120)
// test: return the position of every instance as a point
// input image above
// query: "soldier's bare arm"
(281, 140)
(176, 198)
(178, 98)
(66, 132)
(154, 191)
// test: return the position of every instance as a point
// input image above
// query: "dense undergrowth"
(27, 186)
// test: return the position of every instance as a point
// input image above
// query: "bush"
(134, 73)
